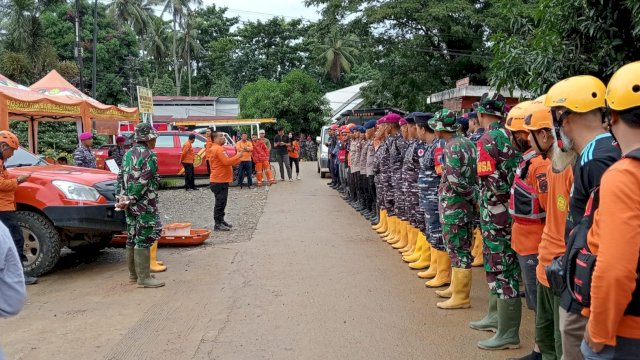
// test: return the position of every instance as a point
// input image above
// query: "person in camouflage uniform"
(137, 190)
(393, 164)
(409, 180)
(497, 163)
(456, 195)
(400, 188)
(82, 156)
(379, 174)
(475, 133)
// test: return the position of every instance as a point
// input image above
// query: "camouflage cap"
(444, 120)
(492, 105)
(145, 132)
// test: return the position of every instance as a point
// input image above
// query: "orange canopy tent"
(22, 104)
(106, 117)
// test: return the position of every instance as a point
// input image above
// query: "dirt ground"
(305, 279)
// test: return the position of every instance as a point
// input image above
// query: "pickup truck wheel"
(41, 243)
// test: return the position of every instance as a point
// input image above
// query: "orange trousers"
(266, 167)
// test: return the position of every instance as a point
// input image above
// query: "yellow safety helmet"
(515, 118)
(579, 94)
(623, 90)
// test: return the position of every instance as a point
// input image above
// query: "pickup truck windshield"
(22, 157)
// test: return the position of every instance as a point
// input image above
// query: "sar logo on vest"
(561, 202)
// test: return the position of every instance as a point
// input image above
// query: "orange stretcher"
(197, 237)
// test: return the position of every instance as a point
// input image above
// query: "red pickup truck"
(62, 206)
(169, 148)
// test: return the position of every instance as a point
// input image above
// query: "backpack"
(581, 261)
(524, 204)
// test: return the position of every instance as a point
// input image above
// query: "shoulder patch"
(420, 152)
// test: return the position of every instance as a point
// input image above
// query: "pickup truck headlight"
(74, 191)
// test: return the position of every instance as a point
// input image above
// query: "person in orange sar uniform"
(525, 207)
(613, 329)
(554, 198)
(187, 157)
(221, 176)
(8, 186)
(294, 154)
(260, 157)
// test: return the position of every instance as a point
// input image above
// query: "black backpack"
(581, 261)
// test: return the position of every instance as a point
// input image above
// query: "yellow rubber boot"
(432, 271)
(412, 236)
(391, 223)
(446, 293)
(476, 251)
(397, 232)
(443, 276)
(404, 237)
(153, 265)
(461, 285)
(383, 221)
(425, 258)
(417, 252)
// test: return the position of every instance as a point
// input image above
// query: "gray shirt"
(371, 156)
(12, 289)
(363, 157)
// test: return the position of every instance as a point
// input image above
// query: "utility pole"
(94, 82)
(78, 47)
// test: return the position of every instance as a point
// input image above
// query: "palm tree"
(338, 54)
(20, 21)
(179, 9)
(156, 40)
(189, 45)
(136, 13)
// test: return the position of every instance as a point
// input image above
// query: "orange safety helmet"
(538, 116)
(10, 139)
(515, 118)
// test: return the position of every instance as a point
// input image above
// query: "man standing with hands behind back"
(246, 165)
(186, 159)
(281, 144)
(221, 176)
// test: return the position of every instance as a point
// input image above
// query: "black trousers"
(189, 177)
(363, 189)
(221, 192)
(295, 161)
(373, 193)
(8, 218)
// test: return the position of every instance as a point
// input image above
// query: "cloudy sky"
(266, 9)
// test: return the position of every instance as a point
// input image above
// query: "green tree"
(164, 86)
(189, 45)
(553, 39)
(337, 54)
(297, 102)
(155, 43)
(137, 13)
(222, 88)
(179, 10)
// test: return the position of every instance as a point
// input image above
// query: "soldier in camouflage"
(397, 156)
(456, 195)
(434, 253)
(82, 156)
(497, 163)
(410, 169)
(137, 190)
(379, 170)
(393, 162)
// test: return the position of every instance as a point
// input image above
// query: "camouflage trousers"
(414, 210)
(432, 223)
(143, 230)
(457, 239)
(400, 196)
(500, 260)
(390, 199)
(378, 190)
